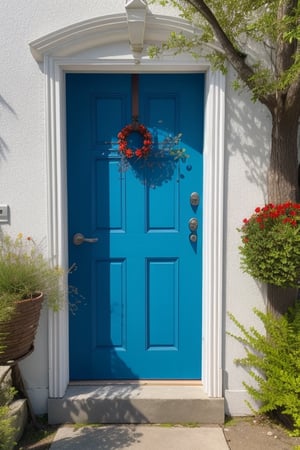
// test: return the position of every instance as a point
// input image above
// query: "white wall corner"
(237, 403)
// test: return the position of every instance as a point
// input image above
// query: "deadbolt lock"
(193, 224)
(194, 199)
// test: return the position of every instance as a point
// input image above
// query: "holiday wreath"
(141, 152)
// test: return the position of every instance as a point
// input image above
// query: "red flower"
(274, 214)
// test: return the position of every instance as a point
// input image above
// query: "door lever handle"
(79, 239)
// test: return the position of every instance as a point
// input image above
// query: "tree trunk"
(283, 170)
(280, 299)
(282, 187)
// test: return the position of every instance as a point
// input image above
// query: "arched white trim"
(105, 30)
(60, 53)
(81, 36)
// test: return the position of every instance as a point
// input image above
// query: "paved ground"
(247, 433)
(139, 437)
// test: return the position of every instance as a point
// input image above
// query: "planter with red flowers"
(270, 249)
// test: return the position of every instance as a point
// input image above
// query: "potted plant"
(270, 250)
(27, 277)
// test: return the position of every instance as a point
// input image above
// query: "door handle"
(79, 239)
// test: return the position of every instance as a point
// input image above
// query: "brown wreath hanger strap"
(135, 98)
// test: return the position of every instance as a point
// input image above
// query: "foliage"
(273, 361)
(250, 34)
(7, 429)
(24, 271)
(260, 40)
(270, 250)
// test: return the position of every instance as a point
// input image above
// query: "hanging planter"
(26, 276)
(18, 333)
(270, 249)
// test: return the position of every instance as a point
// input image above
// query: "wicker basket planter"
(19, 332)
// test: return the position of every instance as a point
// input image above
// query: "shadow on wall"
(248, 138)
(249, 135)
(3, 146)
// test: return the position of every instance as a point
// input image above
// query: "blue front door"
(141, 281)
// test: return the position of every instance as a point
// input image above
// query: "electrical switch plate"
(4, 213)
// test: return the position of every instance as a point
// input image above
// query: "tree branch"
(285, 49)
(235, 57)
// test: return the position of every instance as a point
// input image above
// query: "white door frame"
(90, 47)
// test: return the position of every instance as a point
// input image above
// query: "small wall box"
(4, 213)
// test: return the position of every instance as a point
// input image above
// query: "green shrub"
(7, 429)
(273, 361)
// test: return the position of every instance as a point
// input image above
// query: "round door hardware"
(194, 199)
(193, 237)
(193, 224)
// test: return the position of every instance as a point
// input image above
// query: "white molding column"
(213, 191)
(57, 222)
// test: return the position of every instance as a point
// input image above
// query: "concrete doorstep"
(120, 407)
(135, 403)
(140, 437)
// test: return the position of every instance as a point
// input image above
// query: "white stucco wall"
(23, 171)
(246, 159)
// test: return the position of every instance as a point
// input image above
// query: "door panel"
(141, 282)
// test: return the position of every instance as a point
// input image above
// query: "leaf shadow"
(104, 437)
(3, 146)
